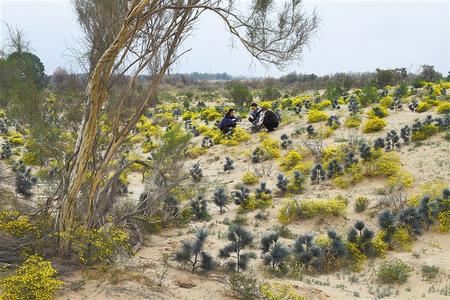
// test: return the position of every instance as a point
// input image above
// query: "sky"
(353, 36)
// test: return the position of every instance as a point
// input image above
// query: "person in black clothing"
(228, 122)
(268, 119)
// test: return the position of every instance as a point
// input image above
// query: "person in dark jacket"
(254, 113)
(228, 122)
(268, 119)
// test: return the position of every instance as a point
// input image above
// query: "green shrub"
(394, 271)
(361, 203)
(244, 286)
(33, 280)
(374, 124)
(430, 272)
(315, 116)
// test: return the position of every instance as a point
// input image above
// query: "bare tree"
(16, 40)
(150, 34)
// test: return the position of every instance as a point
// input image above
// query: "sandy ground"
(138, 277)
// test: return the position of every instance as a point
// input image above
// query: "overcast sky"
(353, 36)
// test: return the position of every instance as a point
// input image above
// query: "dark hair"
(254, 104)
(230, 111)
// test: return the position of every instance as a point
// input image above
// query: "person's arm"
(261, 119)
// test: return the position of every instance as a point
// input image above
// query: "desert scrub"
(443, 107)
(353, 121)
(374, 124)
(249, 178)
(315, 116)
(394, 271)
(279, 291)
(290, 160)
(34, 279)
(361, 203)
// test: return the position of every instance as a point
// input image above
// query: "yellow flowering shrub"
(426, 131)
(97, 245)
(377, 111)
(352, 122)
(210, 113)
(195, 151)
(15, 224)
(443, 107)
(252, 202)
(249, 178)
(387, 164)
(401, 239)
(291, 159)
(431, 188)
(288, 211)
(356, 256)
(270, 146)
(266, 104)
(310, 208)
(304, 167)
(280, 291)
(323, 104)
(351, 176)
(386, 101)
(16, 139)
(399, 180)
(332, 152)
(374, 124)
(33, 280)
(444, 221)
(315, 116)
(379, 245)
(423, 106)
